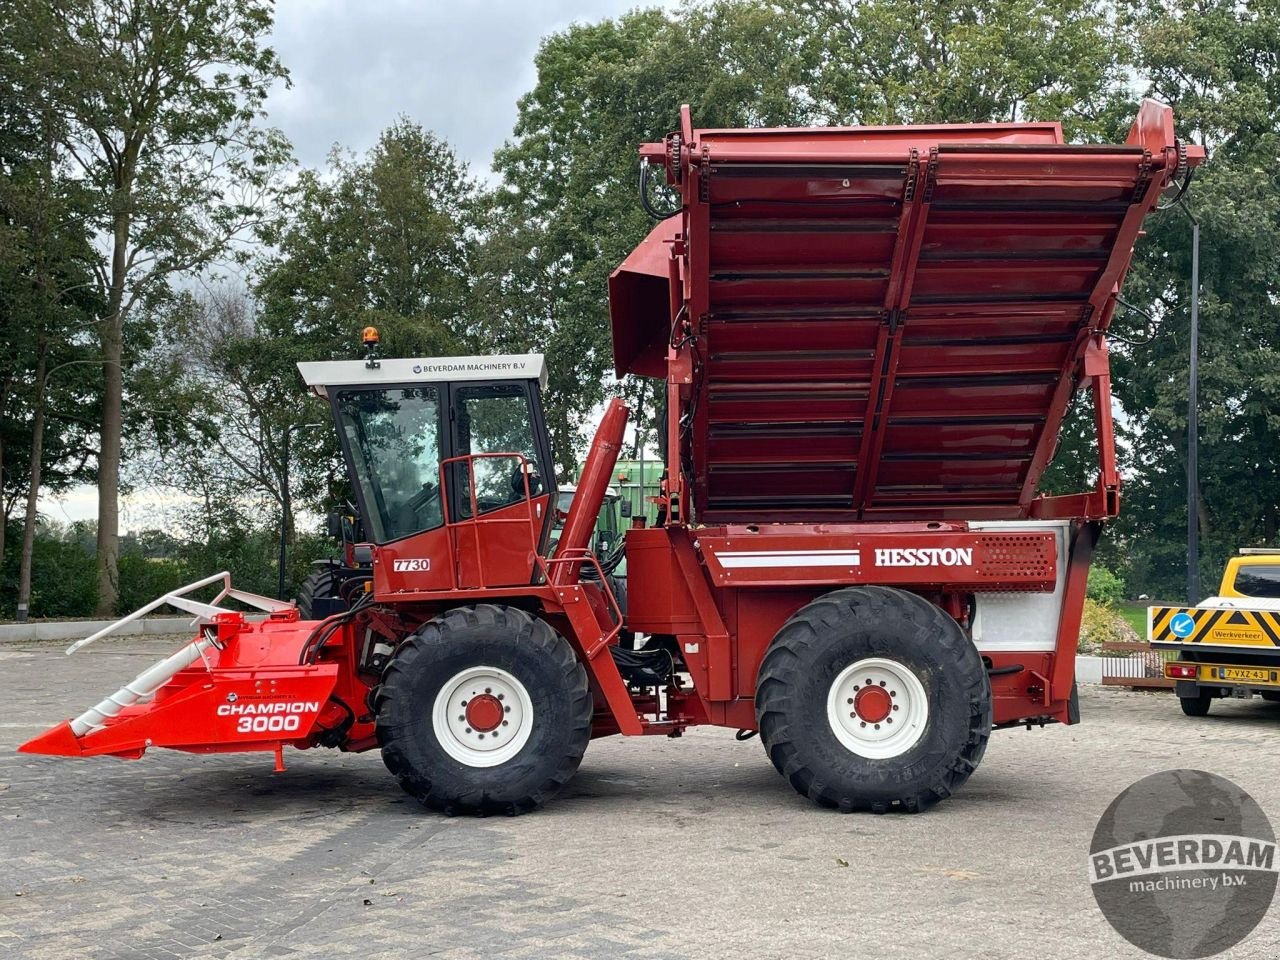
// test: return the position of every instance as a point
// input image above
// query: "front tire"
(871, 698)
(484, 710)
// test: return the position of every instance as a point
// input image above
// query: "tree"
(159, 104)
(386, 241)
(1215, 62)
(985, 60)
(243, 443)
(566, 213)
(47, 297)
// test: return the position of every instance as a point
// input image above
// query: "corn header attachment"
(237, 685)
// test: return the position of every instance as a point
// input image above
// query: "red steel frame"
(960, 307)
(870, 338)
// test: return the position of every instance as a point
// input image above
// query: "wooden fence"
(1134, 664)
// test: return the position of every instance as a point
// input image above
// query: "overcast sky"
(455, 67)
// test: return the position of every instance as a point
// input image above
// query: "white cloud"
(457, 68)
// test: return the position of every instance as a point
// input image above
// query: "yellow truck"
(1228, 645)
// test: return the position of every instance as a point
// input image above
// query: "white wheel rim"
(877, 708)
(465, 709)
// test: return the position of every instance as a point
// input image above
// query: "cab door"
(499, 479)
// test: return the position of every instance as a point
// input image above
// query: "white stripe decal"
(790, 558)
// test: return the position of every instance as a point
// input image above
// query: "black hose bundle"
(326, 628)
(644, 668)
(646, 202)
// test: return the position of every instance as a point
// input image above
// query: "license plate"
(1244, 674)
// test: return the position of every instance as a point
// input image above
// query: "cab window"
(394, 439)
(494, 418)
(1258, 580)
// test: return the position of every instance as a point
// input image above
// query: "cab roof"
(319, 375)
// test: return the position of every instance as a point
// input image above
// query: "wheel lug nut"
(462, 719)
(864, 723)
(877, 727)
(851, 699)
(468, 729)
(500, 697)
(882, 683)
(505, 722)
(482, 736)
(888, 720)
(507, 709)
(853, 714)
(487, 690)
(895, 706)
(893, 693)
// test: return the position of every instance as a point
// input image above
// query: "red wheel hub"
(484, 712)
(872, 704)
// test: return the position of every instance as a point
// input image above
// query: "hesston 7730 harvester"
(870, 338)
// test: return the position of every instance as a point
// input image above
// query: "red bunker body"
(869, 339)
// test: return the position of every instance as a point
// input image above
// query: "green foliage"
(306, 550)
(1104, 587)
(567, 213)
(160, 104)
(144, 578)
(985, 60)
(157, 108)
(150, 565)
(1100, 624)
(63, 574)
(47, 296)
(1215, 63)
(385, 240)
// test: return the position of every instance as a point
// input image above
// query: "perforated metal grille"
(1018, 556)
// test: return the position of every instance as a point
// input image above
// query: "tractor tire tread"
(534, 636)
(804, 632)
(321, 582)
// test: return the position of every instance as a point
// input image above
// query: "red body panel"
(731, 615)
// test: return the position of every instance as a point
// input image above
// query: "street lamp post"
(1193, 422)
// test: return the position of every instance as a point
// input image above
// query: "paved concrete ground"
(658, 849)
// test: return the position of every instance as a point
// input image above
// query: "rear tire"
(1197, 706)
(831, 734)
(484, 710)
(319, 585)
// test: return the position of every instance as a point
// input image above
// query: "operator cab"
(480, 418)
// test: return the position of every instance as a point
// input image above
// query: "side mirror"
(335, 524)
(625, 507)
